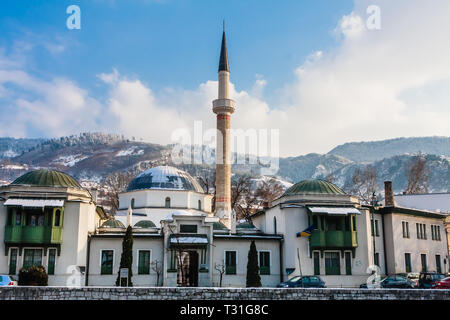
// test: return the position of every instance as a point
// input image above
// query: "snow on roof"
(35, 203)
(190, 240)
(437, 202)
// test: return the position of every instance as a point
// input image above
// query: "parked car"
(441, 284)
(303, 282)
(413, 276)
(6, 280)
(427, 279)
(395, 281)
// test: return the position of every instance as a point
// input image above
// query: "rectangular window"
(334, 224)
(347, 223)
(423, 259)
(348, 263)
(418, 231)
(9, 220)
(144, 262)
(405, 229)
(230, 262)
(354, 222)
(371, 227)
(13, 261)
(51, 261)
(377, 231)
(264, 262)
(377, 259)
(188, 228)
(424, 231)
(438, 233)
(32, 257)
(316, 263)
(408, 262)
(332, 263)
(18, 218)
(107, 262)
(438, 264)
(432, 233)
(322, 223)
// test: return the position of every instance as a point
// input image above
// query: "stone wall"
(112, 293)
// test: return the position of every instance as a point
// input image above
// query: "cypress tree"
(126, 259)
(253, 278)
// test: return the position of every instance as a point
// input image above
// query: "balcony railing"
(334, 239)
(33, 234)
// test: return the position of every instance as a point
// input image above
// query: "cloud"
(374, 84)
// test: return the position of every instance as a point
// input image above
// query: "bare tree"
(207, 181)
(114, 184)
(365, 183)
(157, 266)
(417, 175)
(220, 267)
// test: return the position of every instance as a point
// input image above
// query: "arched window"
(275, 225)
(167, 202)
(57, 218)
(199, 204)
(132, 203)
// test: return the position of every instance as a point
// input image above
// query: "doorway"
(187, 269)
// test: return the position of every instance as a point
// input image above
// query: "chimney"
(388, 194)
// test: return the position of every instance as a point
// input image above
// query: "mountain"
(377, 150)
(11, 147)
(90, 157)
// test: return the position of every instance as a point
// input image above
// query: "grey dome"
(166, 178)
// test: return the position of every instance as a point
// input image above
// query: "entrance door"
(193, 269)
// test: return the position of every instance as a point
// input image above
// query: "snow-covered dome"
(165, 177)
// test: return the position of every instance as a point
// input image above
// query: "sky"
(321, 73)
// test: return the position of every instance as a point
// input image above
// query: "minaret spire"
(223, 62)
(224, 107)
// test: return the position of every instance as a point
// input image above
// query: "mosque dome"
(313, 186)
(246, 225)
(165, 178)
(112, 223)
(144, 224)
(47, 178)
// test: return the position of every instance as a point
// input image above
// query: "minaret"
(224, 107)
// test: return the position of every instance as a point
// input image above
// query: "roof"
(245, 225)
(437, 202)
(314, 186)
(112, 223)
(145, 224)
(165, 178)
(219, 226)
(47, 178)
(223, 62)
(34, 203)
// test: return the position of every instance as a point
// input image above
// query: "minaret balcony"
(223, 106)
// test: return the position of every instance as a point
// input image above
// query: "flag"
(307, 232)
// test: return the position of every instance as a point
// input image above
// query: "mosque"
(314, 228)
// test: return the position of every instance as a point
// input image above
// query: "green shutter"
(264, 263)
(51, 261)
(13, 261)
(107, 262)
(144, 262)
(230, 262)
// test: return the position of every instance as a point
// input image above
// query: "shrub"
(253, 278)
(33, 276)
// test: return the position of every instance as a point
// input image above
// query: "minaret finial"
(223, 25)
(223, 62)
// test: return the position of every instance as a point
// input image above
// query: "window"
(264, 262)
(377, 231)
(132, 203)
(405, 229)
(438, 264)
(188, 228)
(51, 261)
(348, 263)
(322, 223)
(230, 262)
(421, 231)
(354, 222)
(275, 225)
(423, 259)
(143, 261)
(438, 233)
(377, 259)
(332, 263)
(347, 223)
(316, 263)
(57, 217)
(107, 261)
(13, 261)
(199, 205)
(32, 257)
(167, 202)
(334, 224)
(315, 222)
(10, 217)
(408, 267)
(424, 231)
(18, 218)
(435, 233)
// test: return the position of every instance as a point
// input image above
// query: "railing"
(33, 234)
(334, 239)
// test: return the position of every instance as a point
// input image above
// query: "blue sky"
(296, 66)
